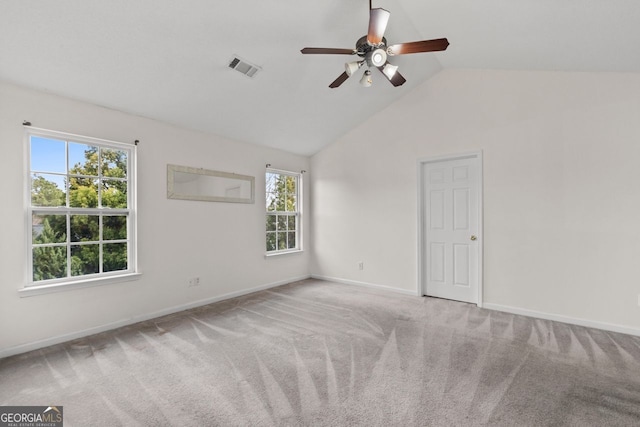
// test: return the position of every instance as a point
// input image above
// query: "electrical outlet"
(638, 300)
(361, 265)
(194, 282)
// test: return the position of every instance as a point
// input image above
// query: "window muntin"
(282, 211)
(80, 208)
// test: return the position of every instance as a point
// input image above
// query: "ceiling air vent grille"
(244, 67)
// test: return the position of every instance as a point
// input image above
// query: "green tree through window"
(80, 208)
(283, 211)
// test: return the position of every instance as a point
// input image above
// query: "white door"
(451, 245)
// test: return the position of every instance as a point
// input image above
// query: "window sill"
(33, 290)
(279, 253)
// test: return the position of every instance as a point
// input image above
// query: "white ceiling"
(167, 59)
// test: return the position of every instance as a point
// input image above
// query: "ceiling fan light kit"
(366, 79)
(374, 51)
(389, 70)
(352, 67)
(376, 58)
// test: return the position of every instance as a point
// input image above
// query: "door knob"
(474, 238)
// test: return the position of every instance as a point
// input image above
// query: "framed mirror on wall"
(187, 183)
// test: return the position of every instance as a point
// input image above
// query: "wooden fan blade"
(418, 47)
(328, 51)
(396, 80)
(378, 19)
(341, 79)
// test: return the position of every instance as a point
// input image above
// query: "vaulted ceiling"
(168, 60)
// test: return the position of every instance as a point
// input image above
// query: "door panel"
(461, 265)
(436, 210)
(437, 262)
(461, 209)
(451, 226)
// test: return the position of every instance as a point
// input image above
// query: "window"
(81, 220)
(283, 211)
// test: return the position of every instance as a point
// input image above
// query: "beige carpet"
(319, 353)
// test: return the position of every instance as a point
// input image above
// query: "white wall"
(222, 243)
(561, 198)
(561, 190)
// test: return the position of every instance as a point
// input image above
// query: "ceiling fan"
(374, 51)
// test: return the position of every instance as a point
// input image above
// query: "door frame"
(422, 265)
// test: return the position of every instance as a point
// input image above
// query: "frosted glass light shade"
(366, 79)
(390, 70)
(352, 67)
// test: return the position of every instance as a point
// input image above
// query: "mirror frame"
(172, 193)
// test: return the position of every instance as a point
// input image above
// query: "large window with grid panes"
(283, 207)
(80, 208)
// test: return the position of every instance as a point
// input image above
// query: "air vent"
(244, 67)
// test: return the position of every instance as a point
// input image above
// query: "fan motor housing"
(363, 47)
(375, 55)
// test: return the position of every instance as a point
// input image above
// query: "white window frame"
(297, 213)
(32, 287)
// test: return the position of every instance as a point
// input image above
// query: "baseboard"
(498, 307)
(23, 348)
(564, 319)
(364, 284)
